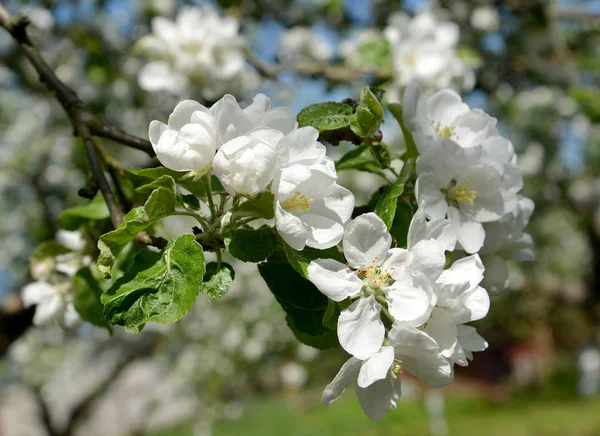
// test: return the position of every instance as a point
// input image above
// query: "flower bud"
(247, 164)
(188, 141)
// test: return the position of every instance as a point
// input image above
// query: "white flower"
(460, 299)
(311, 208)
(199, 47)
(233, 121)
(378, 381)
(444, 115)
(72, 240)
(247, 164)
(375, 272)
(457, 182)
(301, 44)
(485, 18)
(424, 50)
(54, 303)
(188, 142)
(505, 240)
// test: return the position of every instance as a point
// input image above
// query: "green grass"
(301, 415)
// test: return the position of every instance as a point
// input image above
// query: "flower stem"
(213, 217)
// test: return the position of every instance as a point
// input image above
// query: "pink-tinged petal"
(360, 330)
(366, 241)
(334, 279)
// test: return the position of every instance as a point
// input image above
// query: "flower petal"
(410, 299)
(442, 328)
(360, 330)
(340, 382)
(334, 279)
(379, 398)
(290, 228)
(366, 241)
(376, 367)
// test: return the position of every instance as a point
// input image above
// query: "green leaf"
(74, 217)
(411, 148)
(386, 206)
(165, 181)
(368, 117)
(217, 282)
(375, 53)
(158, 287)
(86, 298)
(361, 159)
(160, 204)
(140, 177)
(299, 260)
(323, 341)
(402, 218)
(331, 315)
(251, 245)
(381, 154)
(325, 116)
(191, 200)
(304, 305)
(261, 206)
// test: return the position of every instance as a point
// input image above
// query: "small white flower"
(460, 299)
(311, 208)
(247, 164)
(469, 341)
(376, 271)
(378, 377)
(188, 142)
(485, 18)
(54, 303)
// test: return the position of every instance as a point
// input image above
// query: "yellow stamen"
(396, 369)
(297, 203)
(461, 193)
(444, 132)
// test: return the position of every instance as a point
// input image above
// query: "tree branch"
(85, 124)
(16, 25)
(332, 72)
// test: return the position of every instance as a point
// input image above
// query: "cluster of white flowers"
(200, 48)
(300, 44)
(255, 149)
(406, 309)
(424, 50)
(52, 292)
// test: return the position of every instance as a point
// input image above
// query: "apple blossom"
(378, 376)
(188, 142)
(460, 299)
(375, 271)
(54, 303)
(247, 164)
(456, 182)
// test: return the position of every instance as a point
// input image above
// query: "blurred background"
(231, 367)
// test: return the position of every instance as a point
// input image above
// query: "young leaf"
(299, 260)
(368, 117)
(381, 154)
(261, 206)
(86, 298)
(304, 305)
(217, 282)
(74, 217)
(325, 116)
(386, 206)
(160, 204)
(359, 158)
(158, 287)
(165, 181)
(251, 245)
